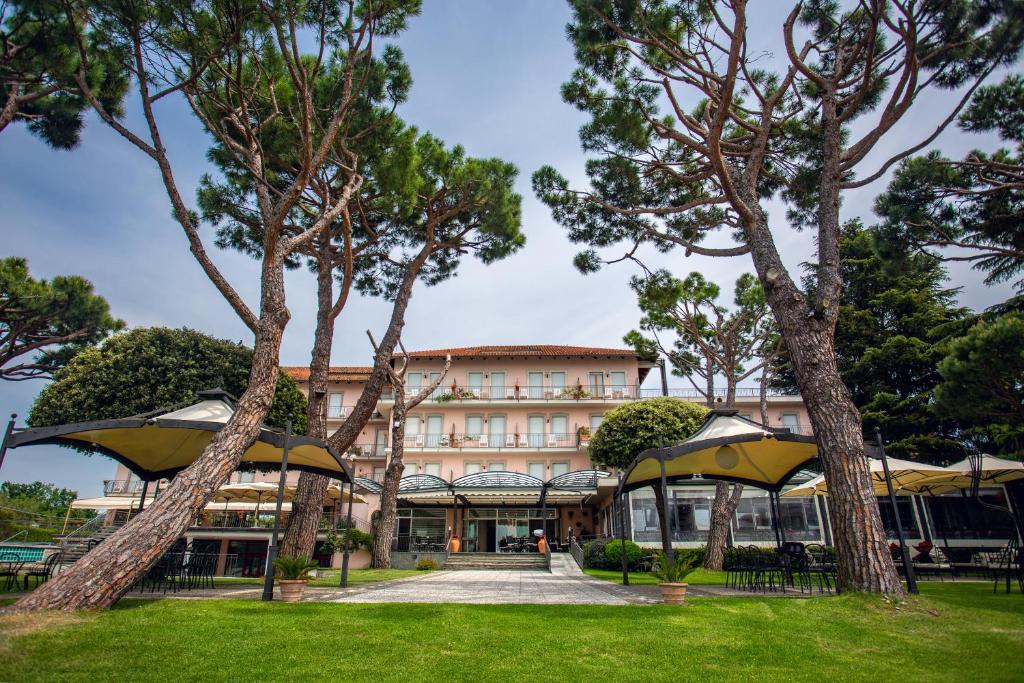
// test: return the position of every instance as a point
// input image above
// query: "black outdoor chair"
(42, 573)
(769, 572)
(200, 569)
(1010, 566)
(806, 572)
(10, 568)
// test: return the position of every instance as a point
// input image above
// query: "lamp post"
(348, 522)
(268, 574)
(907, 565)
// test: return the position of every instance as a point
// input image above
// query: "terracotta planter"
(673, 593)
(291, 589)
(455, 544)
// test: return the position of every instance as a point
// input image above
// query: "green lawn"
(698, 577)
(954, 632)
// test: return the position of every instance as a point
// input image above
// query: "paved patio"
(565, 585)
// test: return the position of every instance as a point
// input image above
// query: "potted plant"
(671, 575)
(584, 433)
(291, 574)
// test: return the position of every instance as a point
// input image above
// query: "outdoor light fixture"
(727, 457)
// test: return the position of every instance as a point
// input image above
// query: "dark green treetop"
(43, 323)
(634, 427)
(982, 384)
(40, 61)
(973, 209)
(146, 369)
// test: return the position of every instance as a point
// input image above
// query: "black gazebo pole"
(7, 436)
(908, 566)
(348, 532)
(145, 490)
(622, 535)
(775, 519)
(268, 574)
(666, 534)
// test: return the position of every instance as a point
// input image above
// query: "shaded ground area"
(955, 632)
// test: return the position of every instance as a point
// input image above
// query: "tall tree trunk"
(865, 563)
(388, 517)
(664, 525)
(109, 571)
(308, 502)
(307, 506)
(722, 511)
(724, 505)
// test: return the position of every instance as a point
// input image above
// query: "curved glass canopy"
(490, 480)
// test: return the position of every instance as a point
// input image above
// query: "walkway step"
(468, 561)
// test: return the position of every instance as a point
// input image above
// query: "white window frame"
(336, 412)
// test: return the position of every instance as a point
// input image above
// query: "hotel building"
(500, 449)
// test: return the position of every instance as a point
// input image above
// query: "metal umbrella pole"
(904, 552)
(7, 436)
(268, 575)
(348, 530)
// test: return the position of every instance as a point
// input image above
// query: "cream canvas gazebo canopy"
(726, 447)
(958, 476)
(161, 445)
(903, 473)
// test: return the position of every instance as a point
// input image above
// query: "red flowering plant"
(924, 547)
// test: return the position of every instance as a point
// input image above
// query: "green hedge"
(613, 555)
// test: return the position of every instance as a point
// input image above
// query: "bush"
(693, 556)
(613, 554)
(426, 565)
(291, 568)
(593, 553)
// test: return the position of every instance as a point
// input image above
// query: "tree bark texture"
(865, 563)
(663, 519)
(107, 572)
(310, 492)
(307, 506)
(722, 511)
(389, 493)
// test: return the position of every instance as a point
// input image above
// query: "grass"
(698, 577)
(330, 578)
(951, 633)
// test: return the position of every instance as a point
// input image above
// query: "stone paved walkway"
(492, 587)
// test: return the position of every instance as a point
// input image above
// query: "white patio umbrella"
(904, 474)
(259, 491)
(993, 471)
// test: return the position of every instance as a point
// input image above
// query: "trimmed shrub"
(613, 555)
(426, 565)
(593, 553)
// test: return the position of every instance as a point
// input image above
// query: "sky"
(486, 76)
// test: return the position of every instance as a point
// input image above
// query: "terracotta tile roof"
(357, 373)
(546, 350)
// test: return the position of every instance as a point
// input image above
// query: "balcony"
(548, 393)
(122, 487)
(492, 442)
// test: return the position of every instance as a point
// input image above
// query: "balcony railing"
(491, 441)
(122, 487)
(577, 392)
(526, 392)
(369, 450)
